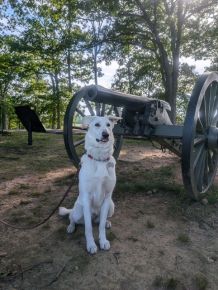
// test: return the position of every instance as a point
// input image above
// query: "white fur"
(96, 183)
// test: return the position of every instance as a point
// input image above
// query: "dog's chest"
(98, 179)
(103, 171)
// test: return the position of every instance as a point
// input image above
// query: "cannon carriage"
(196, 142)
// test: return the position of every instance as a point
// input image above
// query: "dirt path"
(159, 239)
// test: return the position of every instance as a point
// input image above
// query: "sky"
(109, 71)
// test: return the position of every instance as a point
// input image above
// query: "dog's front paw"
(91, 248)
(104, 245)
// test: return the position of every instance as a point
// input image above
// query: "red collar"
(104, 160)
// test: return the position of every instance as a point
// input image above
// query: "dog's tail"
(64, 211)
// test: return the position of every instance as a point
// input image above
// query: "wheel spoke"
(199, 171)
(210, 161)
(199, 151)
(199, 126)
(207, 98)
(206, 178)
(215, 120)
(200, 139)
(215, 106)
(203, 114)
(79, 128)
(80, 112)
(212, 102)
(215, 112)
(88, 105)
(79, 142)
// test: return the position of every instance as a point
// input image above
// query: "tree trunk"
(4, 119)
(69, 70)
(53, 119)
(170, 91)
(129, 78)
(95, 65)
(58, 99)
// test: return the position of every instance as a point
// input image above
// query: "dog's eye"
(108, 124)
(97, 125)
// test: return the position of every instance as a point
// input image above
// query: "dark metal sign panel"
(29, 119)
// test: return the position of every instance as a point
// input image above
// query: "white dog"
(97, 180)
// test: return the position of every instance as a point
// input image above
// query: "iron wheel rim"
(199, 161)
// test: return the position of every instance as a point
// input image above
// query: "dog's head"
(100, 129)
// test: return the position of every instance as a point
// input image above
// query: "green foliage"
(201, 281)
(48, 49)
(48, 44)
(183, 238)
(166, 283)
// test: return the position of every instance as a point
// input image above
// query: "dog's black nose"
(105, 135)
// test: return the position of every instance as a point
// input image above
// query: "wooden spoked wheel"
(200, 137)
(74, 134)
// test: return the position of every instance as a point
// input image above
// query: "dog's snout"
(105, 134)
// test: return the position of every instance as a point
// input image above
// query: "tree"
(96, 24)
(10, 69)
(51, 36)
(137, 72)
(187, 80)
(159, 27)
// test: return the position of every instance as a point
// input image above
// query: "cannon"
(195, 142)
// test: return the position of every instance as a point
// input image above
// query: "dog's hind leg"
(110, 213)
(97, 221)
(76, 217)
(71, 227)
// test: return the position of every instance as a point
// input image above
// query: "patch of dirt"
(158, 241)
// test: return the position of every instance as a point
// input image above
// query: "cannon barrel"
(107, 96)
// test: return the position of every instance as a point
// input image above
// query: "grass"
(25, 201)
(165, 283)
(24, 186)
(46, 154)
(212, 195)
(34, 194)
(111, 236)
(20, 216)
(61, 233)
(201, 281)
(160, 179)
(14, 191)
(150, 224)
(64, 180)
(183, 238)
(80, 263)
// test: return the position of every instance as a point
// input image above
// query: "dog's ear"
(114, 119)
(87, 120)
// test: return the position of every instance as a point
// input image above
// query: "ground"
(160, 239)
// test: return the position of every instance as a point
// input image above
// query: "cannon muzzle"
(107, 96)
